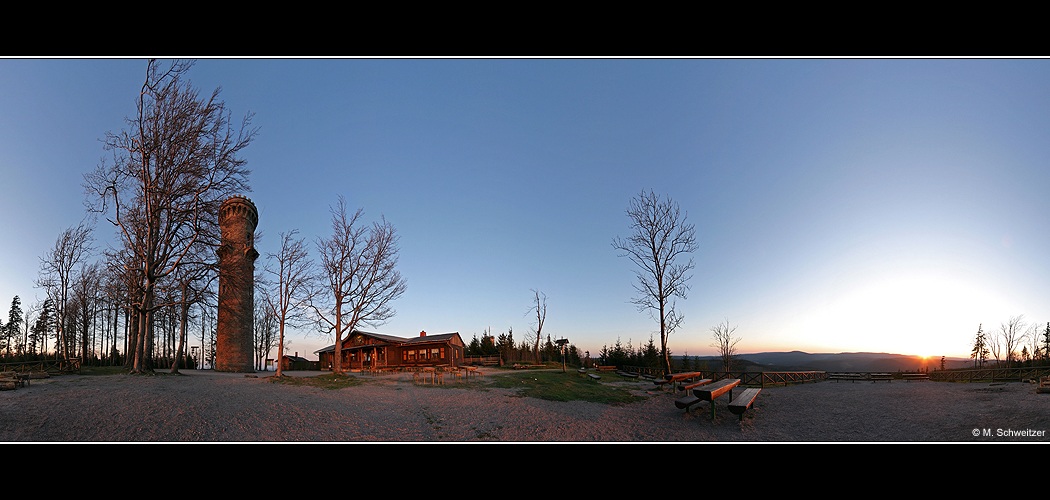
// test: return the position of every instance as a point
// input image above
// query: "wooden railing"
(763, 379)
(785, 378)
(656, 372)
(760, 379)
(50, 366)
(482, 360)
(990, 374)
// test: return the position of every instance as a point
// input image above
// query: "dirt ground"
(214, 407)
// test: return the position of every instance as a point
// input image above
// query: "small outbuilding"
(296, 362)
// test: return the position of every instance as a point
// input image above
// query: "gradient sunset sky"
(841, 205)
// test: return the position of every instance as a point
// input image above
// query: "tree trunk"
(663, 339)
(280, 351)
(183, 320)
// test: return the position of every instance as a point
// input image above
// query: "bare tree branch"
(56, 275)
(291, 282)
(725, 342)
(659, 245)
(539, 308)
(359, 270)
(162, 187)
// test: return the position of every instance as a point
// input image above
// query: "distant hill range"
(831, 362)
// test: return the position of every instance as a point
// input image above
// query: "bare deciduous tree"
(1031, 337)
(193, 280)
(360, 276)
(87, 288)
(292, 279)
(1010, 336)
(57, 275)
(539, 308)
(725, 342)
(659, 245)
(164, 183)
(265, 325)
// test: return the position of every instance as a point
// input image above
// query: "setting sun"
(919, 314)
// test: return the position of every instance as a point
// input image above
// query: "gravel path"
(206, 406)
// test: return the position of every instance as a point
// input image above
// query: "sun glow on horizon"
(917, 314)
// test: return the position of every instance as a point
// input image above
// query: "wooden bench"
(627, 375)
(13, 380)
(690, 399)
(744, 401)
(594, 376)
(875, 377)
(607, 368)
(713, 391)
(916, 376)
(852, 377)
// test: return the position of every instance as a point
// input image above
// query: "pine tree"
(980, 348)
(474, 348)
(14, 324)
(651, 357)
(1046, 341)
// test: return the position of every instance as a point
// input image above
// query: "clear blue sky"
(840, 205)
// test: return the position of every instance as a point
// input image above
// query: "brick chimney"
(423, 333)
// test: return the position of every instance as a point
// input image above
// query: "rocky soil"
(212, 407)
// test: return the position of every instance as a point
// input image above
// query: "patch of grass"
(103, 370)
(559, 386)
(324, 381)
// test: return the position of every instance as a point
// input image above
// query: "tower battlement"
(239, 206)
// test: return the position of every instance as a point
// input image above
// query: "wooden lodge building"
(367, 350)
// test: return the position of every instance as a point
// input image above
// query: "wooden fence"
(990, 374)
(482, 360)
(52, 366)
(763, 379)
(760, 379)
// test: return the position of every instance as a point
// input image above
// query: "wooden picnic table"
(470, 370)
(712, 391)
(678, 377)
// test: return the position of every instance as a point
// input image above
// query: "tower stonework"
(234, 347)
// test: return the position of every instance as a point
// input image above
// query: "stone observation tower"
(238, 218)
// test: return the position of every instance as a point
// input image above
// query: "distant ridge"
(835, 362)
